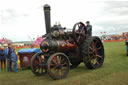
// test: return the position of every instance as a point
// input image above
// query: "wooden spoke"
(77, 32)
(38, 69)
(82, 29)
(53, 65)
(91, 56)
(54, 61)
(95, 43)
(39, 59)
(81, 32)
(99, 48)
(82, 35)
(90, 52)
(35, 62)
(62, 60)
(97, 62)
(91, 48)
(57, 59)
(78, 27)
(53, 68)
(64, 64)
(93, 60)
(99, 56)
(59, 72)
(78, 38)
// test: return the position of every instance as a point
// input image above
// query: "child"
(126, 42)
(14, 60)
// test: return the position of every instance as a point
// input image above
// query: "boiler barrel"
(57, 46)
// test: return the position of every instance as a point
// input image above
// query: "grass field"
(113, 72)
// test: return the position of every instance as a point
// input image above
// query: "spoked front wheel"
(58, 65)
(38, 64)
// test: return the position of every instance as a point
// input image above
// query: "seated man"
(89, 29)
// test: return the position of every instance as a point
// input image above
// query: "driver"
(89, 29)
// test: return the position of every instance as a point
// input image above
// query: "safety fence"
(21, 47)
(114, 40)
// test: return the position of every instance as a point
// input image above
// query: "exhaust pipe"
(47, 18)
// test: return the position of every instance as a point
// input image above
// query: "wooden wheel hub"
(59, 66)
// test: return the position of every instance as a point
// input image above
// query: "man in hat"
(89, 28)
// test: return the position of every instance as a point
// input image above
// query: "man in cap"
(89, 28)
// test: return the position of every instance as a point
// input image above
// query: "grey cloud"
(117, 17)
(112, 29)
(7, 15)
(114, 23)
(116, 7)
(117, 4)
(10, 16)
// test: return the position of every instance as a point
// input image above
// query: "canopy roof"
(4, 41)
(38, 41)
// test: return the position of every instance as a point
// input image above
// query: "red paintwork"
(25, 63)
(66, 46)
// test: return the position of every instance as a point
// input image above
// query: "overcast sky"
(22, 19)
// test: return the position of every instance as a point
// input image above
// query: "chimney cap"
(46, 7)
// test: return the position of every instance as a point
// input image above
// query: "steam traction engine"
(62, 47)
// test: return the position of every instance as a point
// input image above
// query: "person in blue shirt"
(8, 52)
(89, 29)
(14, 60)
(126, 43)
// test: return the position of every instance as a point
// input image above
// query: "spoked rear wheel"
(38, 64)
(93, 52)
(58, 65)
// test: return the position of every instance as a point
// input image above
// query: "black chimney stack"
(47, 18)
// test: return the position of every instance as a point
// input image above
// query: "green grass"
(113, 72)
